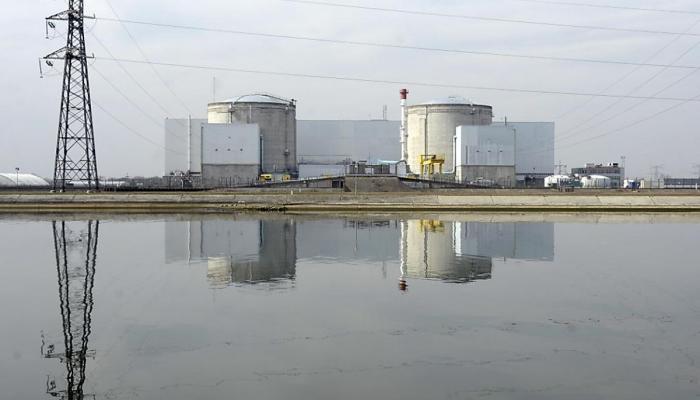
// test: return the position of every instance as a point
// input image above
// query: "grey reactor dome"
(432, 126)
(276, 118)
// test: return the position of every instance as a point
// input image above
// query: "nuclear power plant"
(256, 138)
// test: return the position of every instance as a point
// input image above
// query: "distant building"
(614, 171)
(681, 183)
(14, 179)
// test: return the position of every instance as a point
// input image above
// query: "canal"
(348, 307)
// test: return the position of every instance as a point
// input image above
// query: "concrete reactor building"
(276, 118)
(431, 130)
(455, 138)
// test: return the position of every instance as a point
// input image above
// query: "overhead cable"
(488, 19)
(572, 132)
(391, 45)
(610, 6)
(143, 54)
(628, 74)
(136, 106)
(132, 130)
(392, 82)
(132, 78)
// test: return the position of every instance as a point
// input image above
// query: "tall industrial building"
(276, 118)
(453, 137)
(432, 125)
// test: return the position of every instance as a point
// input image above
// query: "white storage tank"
(432, 127)
(555, 181)
(595, 182)
(276, 118)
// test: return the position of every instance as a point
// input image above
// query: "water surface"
(275, 307)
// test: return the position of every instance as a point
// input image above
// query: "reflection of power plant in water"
(76, 251)
(236, 251)
(428, 252)
(276, 260)
(267, 250)
(245, 251)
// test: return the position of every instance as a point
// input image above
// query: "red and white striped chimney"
(404, 131)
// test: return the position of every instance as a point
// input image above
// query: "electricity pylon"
(75, 148)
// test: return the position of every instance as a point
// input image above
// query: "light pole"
(17, 176)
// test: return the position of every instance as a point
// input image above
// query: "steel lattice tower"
(75, 147)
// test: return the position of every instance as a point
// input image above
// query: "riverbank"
(437, 201)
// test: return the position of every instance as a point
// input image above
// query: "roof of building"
(259, 98)
(11, 179)
(450, 100)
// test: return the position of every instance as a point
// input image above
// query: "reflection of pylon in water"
(76, 252)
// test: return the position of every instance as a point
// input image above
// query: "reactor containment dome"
(276, 118)
(432, 126)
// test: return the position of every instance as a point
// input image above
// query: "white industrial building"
(324, 147)
(506, 154)
(452, 136)
(230, 154)
(277, 123)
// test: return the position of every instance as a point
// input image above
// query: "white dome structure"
(258, 98)
(12, 179)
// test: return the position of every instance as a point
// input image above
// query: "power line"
(391, 82)
(608, 6)
(136, 106)
(390, 45)
(133, 79)
(160, 78)
(610, 132)
(489, 19)
(134, 131)
(628, 109)
(627, 75)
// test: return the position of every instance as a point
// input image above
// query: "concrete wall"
(486, 152)
(319, 170)
(228, 144)
(431, 130)
(485, 145)
(335, 141)
(534, 148)
(501, 175)
(229, 175)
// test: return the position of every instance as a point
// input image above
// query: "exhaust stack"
(404, 134)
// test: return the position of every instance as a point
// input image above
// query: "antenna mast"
(75, 148)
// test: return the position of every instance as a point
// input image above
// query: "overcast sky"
(30, 105)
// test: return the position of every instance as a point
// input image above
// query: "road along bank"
(330, 202)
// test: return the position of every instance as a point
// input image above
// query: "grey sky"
(30, 104)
